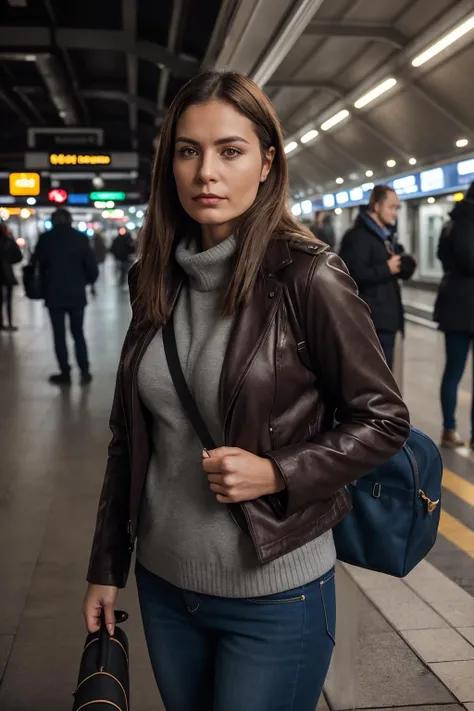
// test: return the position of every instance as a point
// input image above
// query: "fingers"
(222, 465)
(92, 611)
(223, 451)
(109, 617)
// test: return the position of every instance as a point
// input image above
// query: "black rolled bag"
(104, 680)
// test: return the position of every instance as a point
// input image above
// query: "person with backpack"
(10, 254)
(454, 311)
(261, 324)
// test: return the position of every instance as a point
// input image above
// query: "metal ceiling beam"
(61, 82)
(39, 39)
(358, 30)
(324, 86)
(223, 22)
(397, 66)
(144, 105)
(129, 23)
(296, 22)
(177, 15)
(9, 99)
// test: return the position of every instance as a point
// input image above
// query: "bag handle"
(181, 386)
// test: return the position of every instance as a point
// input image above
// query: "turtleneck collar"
(207, 270)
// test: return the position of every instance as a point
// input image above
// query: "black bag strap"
(181, 386)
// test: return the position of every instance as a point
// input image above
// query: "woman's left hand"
(236, 475)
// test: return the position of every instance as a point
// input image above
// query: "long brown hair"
(166, 220)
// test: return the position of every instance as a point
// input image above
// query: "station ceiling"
(116, 65)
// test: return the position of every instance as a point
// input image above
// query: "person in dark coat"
(322, 228)
(454, 310)
(376, 262)
(122, 248)
(66, 264)
(10, 254)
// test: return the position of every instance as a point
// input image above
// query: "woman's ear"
(267, 164)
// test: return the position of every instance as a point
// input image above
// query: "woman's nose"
(207, 169)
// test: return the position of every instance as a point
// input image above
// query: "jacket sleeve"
(356, 254)
(371, 420)
(461, 241)
(111, 551)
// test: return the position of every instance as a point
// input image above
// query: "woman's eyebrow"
(219, 142)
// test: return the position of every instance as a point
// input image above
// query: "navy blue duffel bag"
(396, 509)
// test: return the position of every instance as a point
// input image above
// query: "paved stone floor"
(53, 447)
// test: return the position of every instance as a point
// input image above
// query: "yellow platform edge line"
(456, 532)
(458, 486)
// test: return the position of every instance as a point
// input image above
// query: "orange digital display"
(24, 184)
(79, 159)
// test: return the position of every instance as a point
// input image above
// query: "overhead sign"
(24, 184)
(107, 196)
(79, 159)
(78, 199)
(431, 180)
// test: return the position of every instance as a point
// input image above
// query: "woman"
(454, 311)
(10, 254)
(238, 610)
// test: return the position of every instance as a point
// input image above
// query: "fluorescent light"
(334, 120)
(444, 42)
(413, 161)
(375, 93)
(339, 181)
(431, 200)
(338, 211)
(391, 163)
(462, 143)
(296, 210)
(369, 173)
(291, 147)
(31, 201)
(309, 136)
(307, 207)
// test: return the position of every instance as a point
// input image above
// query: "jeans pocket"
(327, 589)
(283, 598)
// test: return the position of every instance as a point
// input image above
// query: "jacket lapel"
(250, 327)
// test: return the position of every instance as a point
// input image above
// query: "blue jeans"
(218, 654)
(457, 351)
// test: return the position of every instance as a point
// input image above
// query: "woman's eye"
(188, 152)
(231, 152)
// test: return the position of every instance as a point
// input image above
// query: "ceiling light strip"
(334, 120)
(444, 42)
(375, 93)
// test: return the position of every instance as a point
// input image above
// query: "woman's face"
(218, 167)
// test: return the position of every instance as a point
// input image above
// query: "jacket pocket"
(284, 598)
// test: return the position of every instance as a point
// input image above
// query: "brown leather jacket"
(304, 382)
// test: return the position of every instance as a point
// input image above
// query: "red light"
(57, 195)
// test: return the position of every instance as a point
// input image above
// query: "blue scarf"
(385, 233)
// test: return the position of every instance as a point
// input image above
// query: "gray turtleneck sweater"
(185, 536)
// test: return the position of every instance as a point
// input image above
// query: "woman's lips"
(208, 199)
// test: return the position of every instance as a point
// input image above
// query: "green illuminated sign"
(107, 196)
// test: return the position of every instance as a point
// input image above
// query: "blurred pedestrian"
(100, 252)
(454, 311)
(66, 264)
(10, 254)
(122, 248)
(323, 229)
(376, 262)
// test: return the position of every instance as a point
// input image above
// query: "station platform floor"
(401, 643)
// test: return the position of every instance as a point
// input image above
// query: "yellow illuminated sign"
(78, 159)
(457, 197)
(24, 184)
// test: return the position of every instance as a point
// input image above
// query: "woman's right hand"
(98, 598)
